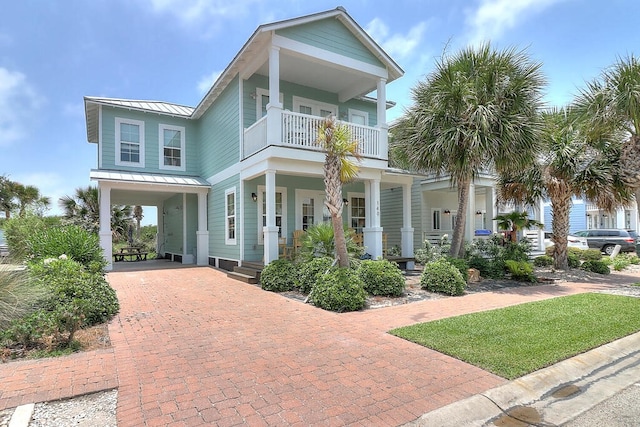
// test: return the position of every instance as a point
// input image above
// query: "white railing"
(301, 131)
(255, 137)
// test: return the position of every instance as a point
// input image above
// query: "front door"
(310, 209)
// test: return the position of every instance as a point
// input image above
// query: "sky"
(53, 53)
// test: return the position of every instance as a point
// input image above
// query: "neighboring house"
(234, 177)
(586, 216)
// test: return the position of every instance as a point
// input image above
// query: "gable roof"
(263, 32)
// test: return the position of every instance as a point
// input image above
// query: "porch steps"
(248, 273)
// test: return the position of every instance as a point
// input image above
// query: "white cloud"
(396, 45)
(202, 13)
(493, 17)
(18, 103)
(207, 81)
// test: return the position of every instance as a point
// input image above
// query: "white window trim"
(353, 112)
(318, 206)
(348, 208)
(183, 157)
(259, 93)
(261, 189)
(316, 106)
(227, 240)
(140, 124)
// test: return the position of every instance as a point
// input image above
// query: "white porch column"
(407, 230)
(381, 108)
(373, 232)
(620, 219)
(160, 230)
(274, 107)
(490, 205)
(105, 224)
(187, 258)
(270, 230)
(469, 229)
(202, 234)
(539, 211)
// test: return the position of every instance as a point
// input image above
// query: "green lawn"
(517, 340)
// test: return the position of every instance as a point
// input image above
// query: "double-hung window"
(129, 142)
(172, 147)
(230, 216)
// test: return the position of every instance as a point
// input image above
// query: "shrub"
(573, 260)
(461, 265)
(620, 262)
(518, 251)
(440, 276)
(591, 255)
(18, 297)
(309, 272)
(382, 277)
(71, 240)
(543, 261)
(596, 266)
(19, 229)
(71, 284)
(339, 290)
(520, 270)
(318, 241)
(278, 276)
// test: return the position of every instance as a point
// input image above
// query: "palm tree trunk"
(333, 201)
(560, 207)
(457, 240)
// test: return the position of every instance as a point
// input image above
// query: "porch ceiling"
(325, 76)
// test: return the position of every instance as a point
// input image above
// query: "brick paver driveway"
(192, 347)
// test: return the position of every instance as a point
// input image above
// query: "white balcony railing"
(301, 131)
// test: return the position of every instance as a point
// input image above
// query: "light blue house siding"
(152, 142)
(219, 132)
(289, 90)
(577, 217)
(331, 35)
(391, 215)
(218, 248)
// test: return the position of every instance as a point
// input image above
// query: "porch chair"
(297, 240)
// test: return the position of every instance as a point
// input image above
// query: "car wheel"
(608, 249)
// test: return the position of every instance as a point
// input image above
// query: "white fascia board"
(327, 56)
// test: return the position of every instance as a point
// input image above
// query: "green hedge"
(339, 290)
(278, 276)
(441, 276)
(382, 277)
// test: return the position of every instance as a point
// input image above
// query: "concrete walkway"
(192, 347)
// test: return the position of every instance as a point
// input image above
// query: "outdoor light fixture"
(478, 212)
(447, 211)
(346, 202)
(254, 197)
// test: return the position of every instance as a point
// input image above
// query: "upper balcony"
(297, 130)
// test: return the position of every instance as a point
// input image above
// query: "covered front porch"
(181, 204)
(288, 197)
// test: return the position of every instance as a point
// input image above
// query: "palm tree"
(477, 112)
(83, 209)
(29, 195)
(514, 221)
(569, 164)
(7, 196)
(335, 139)
(137, 215)
(613, 102)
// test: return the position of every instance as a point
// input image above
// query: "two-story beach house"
(236, 176)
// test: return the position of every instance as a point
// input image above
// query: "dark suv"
(606, 239)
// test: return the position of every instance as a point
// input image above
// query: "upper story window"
(172, 147)
(129, 142)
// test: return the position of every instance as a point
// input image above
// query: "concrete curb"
(550, 396)
(22, 415)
